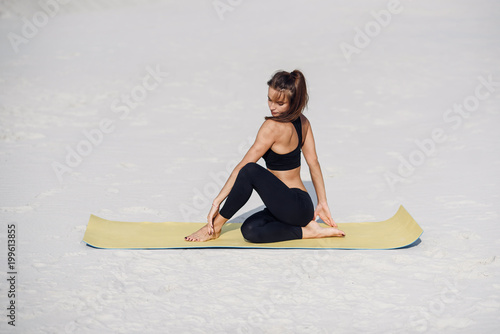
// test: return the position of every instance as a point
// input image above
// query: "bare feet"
(202, 235)
(314, 230)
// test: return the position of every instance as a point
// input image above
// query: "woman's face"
(278, 102)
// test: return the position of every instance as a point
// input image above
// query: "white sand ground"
(67, 70)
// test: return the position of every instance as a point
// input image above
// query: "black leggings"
(287, 209)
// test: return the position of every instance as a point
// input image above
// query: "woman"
(289, 212)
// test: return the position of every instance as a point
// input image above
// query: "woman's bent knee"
(249, 168)
(250, 232)
(249, 171)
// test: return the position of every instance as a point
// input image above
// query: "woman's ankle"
(219, 221)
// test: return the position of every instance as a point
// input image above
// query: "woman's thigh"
(290, 205)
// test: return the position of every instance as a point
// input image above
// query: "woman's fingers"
(210, 219)
(322, 216)
(325, 215)
(328, 220)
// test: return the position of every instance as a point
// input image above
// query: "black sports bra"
(291, 160)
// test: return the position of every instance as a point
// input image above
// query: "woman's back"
(287, 138)
(283, 158)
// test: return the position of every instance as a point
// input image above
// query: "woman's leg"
(203, 235)
(289, 212)
(290, 206)
(262, 226)
(220, 219)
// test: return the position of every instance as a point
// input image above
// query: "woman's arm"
(264, 140)
(309, 151)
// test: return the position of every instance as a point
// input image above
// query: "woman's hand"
(214, 211)
(323, 212)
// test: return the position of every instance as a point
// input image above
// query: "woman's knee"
(250, 168)
(250, 231)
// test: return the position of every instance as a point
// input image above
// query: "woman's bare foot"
(202, 235)
(314, 230)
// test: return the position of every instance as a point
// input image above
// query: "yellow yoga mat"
(399, 231)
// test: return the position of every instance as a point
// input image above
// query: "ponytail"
(292, 84)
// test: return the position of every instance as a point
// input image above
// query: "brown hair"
(292, 84)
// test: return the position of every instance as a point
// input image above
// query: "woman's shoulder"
(304, 121)
(275, 125)
(269, 129)
(270, 124)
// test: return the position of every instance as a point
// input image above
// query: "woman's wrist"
(323, 202)
(217, 201)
